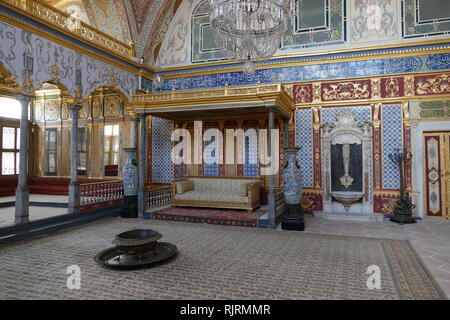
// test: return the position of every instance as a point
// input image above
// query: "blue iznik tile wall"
(162, 150)
(392, 137)
(251, 167)
(303, 140)
(315, 72)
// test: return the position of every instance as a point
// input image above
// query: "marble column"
(74, 186)
(271, 194)
(22, 191)
(142, 165)
(135, 133)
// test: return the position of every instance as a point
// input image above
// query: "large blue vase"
(291, 177)
(130, 173)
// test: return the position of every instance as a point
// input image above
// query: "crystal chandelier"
(249, 29)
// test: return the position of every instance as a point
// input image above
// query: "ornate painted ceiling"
(143, 22)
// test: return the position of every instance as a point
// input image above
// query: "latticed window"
(10, 138)
(10, 111)
(51, 139)
(82, 151)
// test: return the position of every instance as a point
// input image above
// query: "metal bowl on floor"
(136, 241)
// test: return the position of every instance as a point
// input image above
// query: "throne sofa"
(217, 192)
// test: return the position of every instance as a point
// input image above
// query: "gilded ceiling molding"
(61, 21)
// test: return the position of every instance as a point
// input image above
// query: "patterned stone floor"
(430, 238)
(37, 269)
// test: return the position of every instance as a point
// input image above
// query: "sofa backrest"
(232, 186)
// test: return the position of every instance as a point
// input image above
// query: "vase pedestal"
(293, 218)
(130, 207)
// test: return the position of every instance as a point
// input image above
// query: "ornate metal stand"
(293, 218)
(403, 210)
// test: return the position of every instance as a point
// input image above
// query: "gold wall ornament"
(392, 88)
(78, 95)
(55, 73)
(409, 86)
(406, 117)
(437, 85)
(7, 80)
(376, 115)
(376, 88)
(316, 92)
(62, 21)
(346, 91)
(302, 94)
(27, 85)
(112, 78)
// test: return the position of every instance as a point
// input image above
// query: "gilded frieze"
(433, 85)
(346, 91)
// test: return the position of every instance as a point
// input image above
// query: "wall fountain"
(347, 146)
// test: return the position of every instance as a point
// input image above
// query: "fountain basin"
(135, 249)
(347, 198)
(136, 241)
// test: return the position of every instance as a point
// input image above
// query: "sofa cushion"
(184, 186)
(194, 195)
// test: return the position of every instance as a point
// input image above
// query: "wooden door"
(437, 174)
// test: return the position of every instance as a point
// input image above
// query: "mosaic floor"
(218, 262)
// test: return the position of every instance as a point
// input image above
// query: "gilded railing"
(100, 192)
(159, 196)
(64, 22)
(225, 91)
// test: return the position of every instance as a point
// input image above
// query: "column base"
(74, 197)
(22, 214)
(130, 207)
(293, 218)
(141, 203)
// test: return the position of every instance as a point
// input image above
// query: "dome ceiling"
(143, 22)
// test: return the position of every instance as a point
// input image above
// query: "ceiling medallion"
(249, 29)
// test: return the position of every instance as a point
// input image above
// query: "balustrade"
(98, 192)
(158, 197)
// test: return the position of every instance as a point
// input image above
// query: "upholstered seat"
(217, 192)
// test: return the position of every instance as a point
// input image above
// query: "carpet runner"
(237, 218)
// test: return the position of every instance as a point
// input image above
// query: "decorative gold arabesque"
(346, 91)
(7, 81)
(437, 85)
(62, 21)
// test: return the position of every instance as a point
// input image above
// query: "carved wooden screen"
(437, 174)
